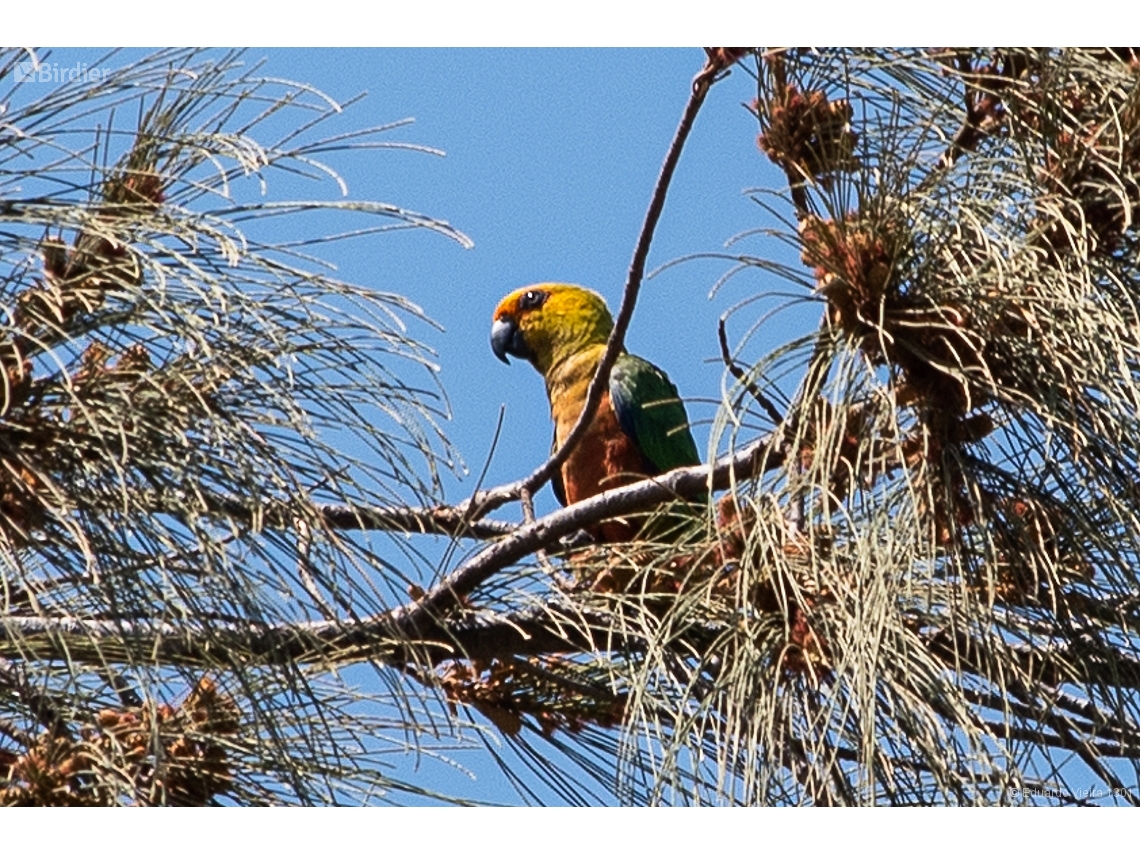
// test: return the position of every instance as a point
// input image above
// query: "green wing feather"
(650, 411)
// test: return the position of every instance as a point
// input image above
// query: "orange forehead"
(509, 305)
(523, 299)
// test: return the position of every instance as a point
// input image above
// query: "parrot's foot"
(578, 540)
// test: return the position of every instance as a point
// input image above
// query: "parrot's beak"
(507, 339)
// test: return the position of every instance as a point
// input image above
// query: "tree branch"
(389, 636)
(436, 520)
(683, 483)
(440, 519)
(329, 642)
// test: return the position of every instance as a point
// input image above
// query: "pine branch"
(446, 520)
(318, 644)
(678, 483)
(428, 621)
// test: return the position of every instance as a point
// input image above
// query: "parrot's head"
(547, 323)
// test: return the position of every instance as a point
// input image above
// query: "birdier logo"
(54, 72)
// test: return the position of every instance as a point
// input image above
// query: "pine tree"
(913, 582)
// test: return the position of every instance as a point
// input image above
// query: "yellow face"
(549, 322)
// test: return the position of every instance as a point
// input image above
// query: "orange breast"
(605, 458)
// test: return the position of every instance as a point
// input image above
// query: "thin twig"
(305, 574)
(448, 520)
(527, 502)
(796, 182)
(982, 118)
(739, 373)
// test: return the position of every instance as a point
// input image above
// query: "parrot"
(640, 428)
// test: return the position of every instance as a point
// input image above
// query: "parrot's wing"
(650, 412)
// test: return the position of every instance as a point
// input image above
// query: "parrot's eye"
(532, 299)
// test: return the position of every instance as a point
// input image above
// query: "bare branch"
(438, 520)
(684, 483)
(441, 519)
(738, 372)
